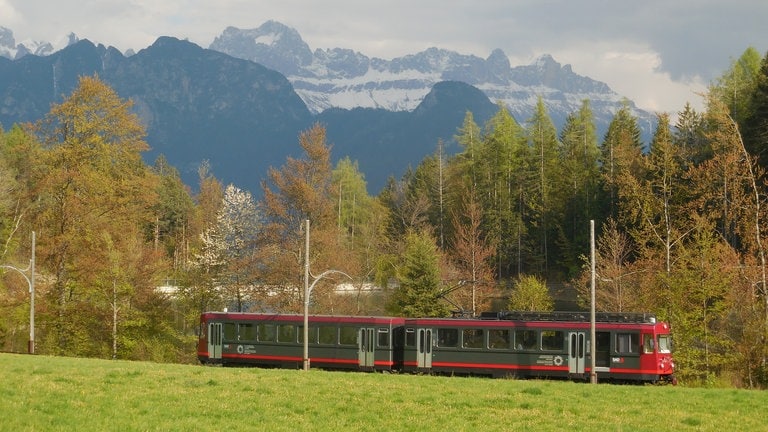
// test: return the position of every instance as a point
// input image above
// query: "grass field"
(55, 393)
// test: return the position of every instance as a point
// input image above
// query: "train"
(629, 347)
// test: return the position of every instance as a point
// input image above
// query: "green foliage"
(697, 305)
(174, 212)
(91, 212)
(547, 201)
(419, 276)
(736, 86)
(531, 294)
(621, 162)
(580, 186)
(504, 188)
(755, 124)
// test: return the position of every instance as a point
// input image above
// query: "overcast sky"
(659, 53)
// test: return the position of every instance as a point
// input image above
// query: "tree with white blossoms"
(238, 223)
(207, 267)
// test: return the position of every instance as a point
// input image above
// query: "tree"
(689, 137)
(617, 287)
(736, 86)
(755, 124)
(531, 294)
(419, 293)
(362, 222)
(546, 202)
(469, 136)
(698, 305)
(200, 278)
(581, 185)
(660, 197)
(504, 188)
(472, 256)
(621, 161)
(174, 215)
(301, 190)
(238, 224)
(97, 187)
(353, 200)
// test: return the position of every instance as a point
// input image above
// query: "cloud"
(11, 17)
(633, 70)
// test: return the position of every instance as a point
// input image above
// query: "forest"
(127, 256)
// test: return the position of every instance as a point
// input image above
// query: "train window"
(229, 331)
(266, 332)
(245, 332)
(665, 344)
(525, 339)
(472, 338)
(327, 335)
(648, 344)
(382, 340)
(448, 337)
(286, 333)
(627, 343)
(410, 337)
(552, 340)
(347, 336)
(498, 339)
(312, 332)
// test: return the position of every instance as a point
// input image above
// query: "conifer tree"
(580, 185)
(419, 293)
(755, 130)
(301, 190)
(504, 189)
(546, 203)
(621, 161)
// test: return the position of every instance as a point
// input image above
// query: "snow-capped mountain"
(10, 49)
(343, 78)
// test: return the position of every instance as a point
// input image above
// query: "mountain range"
(242, 103)
(342, 78)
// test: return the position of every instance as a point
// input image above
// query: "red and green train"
(629, 347)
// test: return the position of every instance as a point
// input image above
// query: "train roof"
(602, 317)
(246, 316)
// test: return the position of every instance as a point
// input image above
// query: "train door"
(366, 343)
(424, 348)
(214, 340)
(577, 347)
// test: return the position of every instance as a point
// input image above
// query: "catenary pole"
(31, 348)
(592, 334)
(306, 297)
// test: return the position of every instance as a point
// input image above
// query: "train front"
(659, 363)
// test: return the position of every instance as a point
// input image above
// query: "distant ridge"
(342, 78)
(200, 104)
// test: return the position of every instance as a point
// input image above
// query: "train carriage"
(276, 340)
(630, 347)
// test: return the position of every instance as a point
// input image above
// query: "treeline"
(681, 229)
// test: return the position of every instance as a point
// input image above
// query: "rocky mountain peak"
(498, 61)
(11, 50)
(273, 44)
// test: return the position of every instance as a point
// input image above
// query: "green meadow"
(66, 394)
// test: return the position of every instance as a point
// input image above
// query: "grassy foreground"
(54, 393)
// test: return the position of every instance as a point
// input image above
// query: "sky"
(658, 53)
